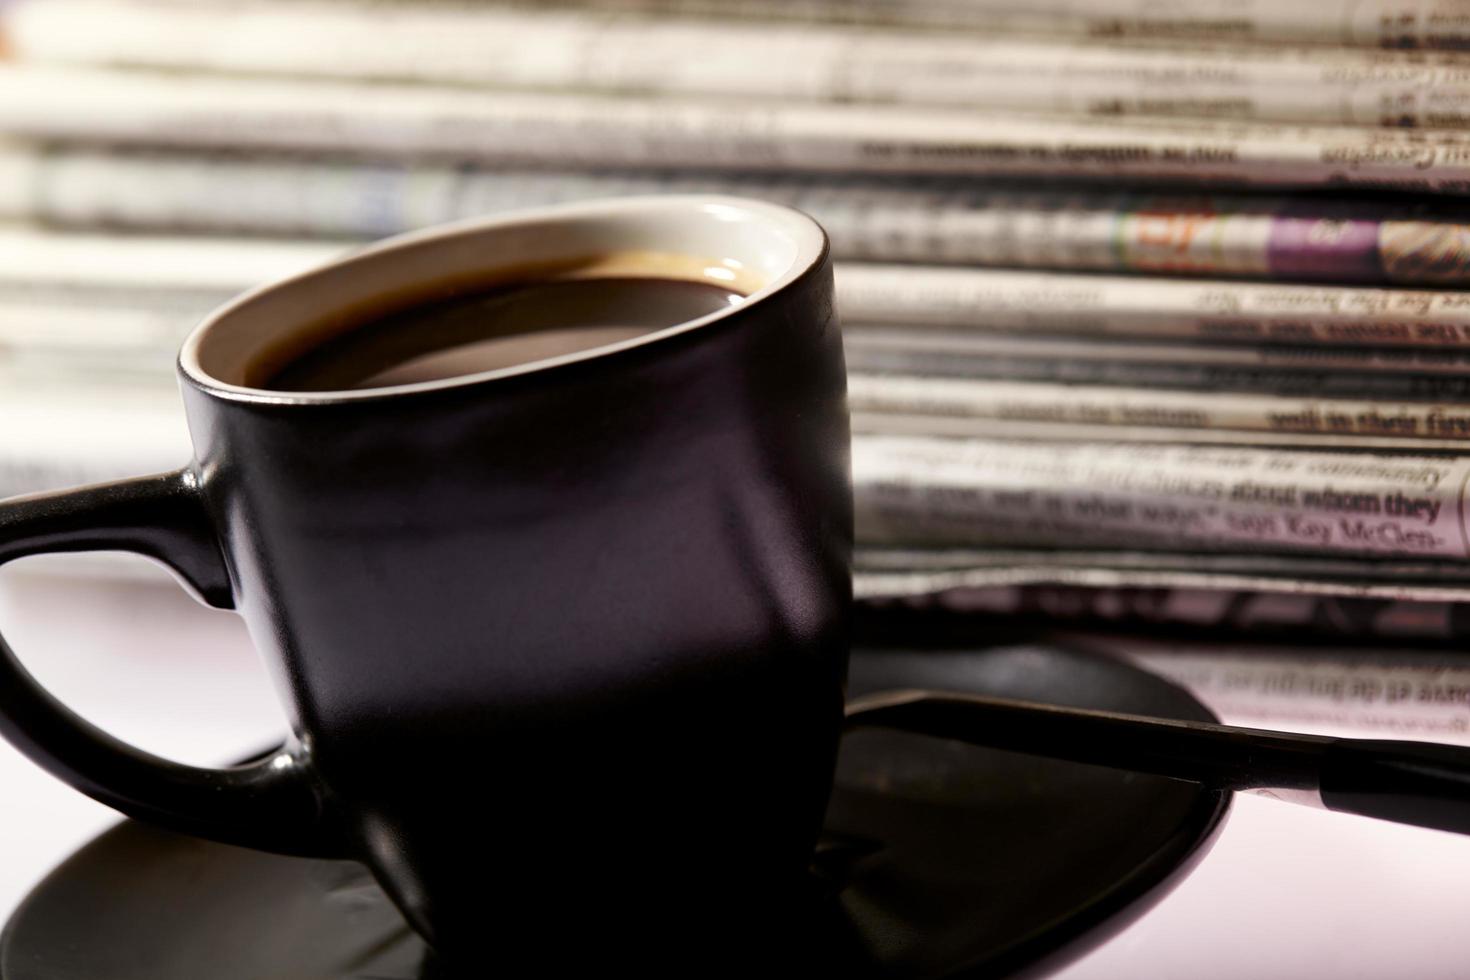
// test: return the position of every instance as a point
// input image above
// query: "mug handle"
(273, 804)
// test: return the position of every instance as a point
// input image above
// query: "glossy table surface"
(1287, 892)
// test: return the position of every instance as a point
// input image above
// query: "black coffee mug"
(562, 645)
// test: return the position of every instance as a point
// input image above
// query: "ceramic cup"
(562, 644)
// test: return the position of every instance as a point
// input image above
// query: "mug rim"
(808, 237)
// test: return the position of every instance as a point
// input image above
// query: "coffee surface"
(498, 327)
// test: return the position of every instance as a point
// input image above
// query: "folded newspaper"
(605, 53)
(943, 221)
(406, 122)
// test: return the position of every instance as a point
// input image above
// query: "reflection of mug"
(562, 644)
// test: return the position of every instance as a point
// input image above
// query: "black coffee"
(497, 327)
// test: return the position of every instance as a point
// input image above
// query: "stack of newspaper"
(1152, 311)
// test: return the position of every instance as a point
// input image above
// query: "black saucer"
(946, 860)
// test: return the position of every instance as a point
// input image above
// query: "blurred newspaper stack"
(1155, 313)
